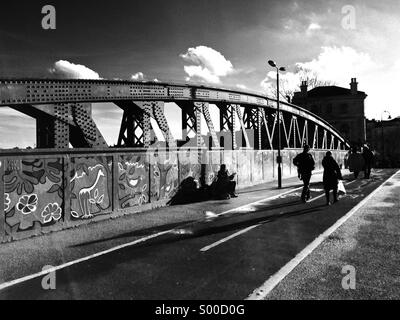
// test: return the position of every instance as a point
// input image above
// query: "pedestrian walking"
(356, 162)
(368, 159)
(305, 165)
(331, 176)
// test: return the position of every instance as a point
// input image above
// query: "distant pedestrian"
(331, 177)
(368, 159)
(356, 162)
(305, 165)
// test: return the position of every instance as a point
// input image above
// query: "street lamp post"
(278, 115)
(383, 140)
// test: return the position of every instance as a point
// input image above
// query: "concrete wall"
(44, 192)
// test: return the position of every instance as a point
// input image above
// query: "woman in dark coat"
(331, 177)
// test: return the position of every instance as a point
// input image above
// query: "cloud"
(314, 26)
(138, 76)
(207, 64)
(334, 64)
(241, 86)
(66, 70)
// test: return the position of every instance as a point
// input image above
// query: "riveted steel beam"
(45, 91)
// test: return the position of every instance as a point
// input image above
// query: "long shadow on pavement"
(205, 227)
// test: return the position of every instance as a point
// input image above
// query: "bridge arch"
(63, 107)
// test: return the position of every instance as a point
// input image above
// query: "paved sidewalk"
(27, 256)
(368, 241)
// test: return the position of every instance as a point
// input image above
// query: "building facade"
(343, 108)
(380, 135)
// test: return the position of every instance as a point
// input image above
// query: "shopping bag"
(341, 189)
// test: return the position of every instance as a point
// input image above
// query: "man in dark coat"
(331, 176)
(369, 159)
(305, 165)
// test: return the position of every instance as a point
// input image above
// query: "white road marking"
(250, 206)
(125, 245)
(261, 292)
(228, 238)
(68, 264)
(252, 227)
(321, 195)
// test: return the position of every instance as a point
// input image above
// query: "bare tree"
(286, 91)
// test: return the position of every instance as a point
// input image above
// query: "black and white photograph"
(199, 154)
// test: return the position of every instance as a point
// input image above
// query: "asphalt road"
(222, 257)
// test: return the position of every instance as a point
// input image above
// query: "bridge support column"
(204, 109)
(267, 130)
(252, 120)
(242, 126)
(135, 126)
(315, 139)
(304, 138)
(82, 118)
(155, 109)
(227, 124)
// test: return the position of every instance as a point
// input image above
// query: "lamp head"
(282, 69)
(272, 63)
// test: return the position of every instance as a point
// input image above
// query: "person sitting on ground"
(331, 176)
(356, 162)
(224, 185)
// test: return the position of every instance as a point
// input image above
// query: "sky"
(224, 43)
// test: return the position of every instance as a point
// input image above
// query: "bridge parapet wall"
(46, 191)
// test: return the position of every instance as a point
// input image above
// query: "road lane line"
(261, 292)
(125, 245)
(250, 228)
(68, 264)
(321, 195)
(228, 238)
(249, 205)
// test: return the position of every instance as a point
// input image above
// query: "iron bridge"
(63, 113)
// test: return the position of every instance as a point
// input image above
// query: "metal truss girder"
(82, 117)
(44, 91)
(264, 119)
(135, 126)
(155, 109)
(199, 138)
(189, 120)
(206, 113)
(227, 118)
(259, 122)
(239, 114)
(315, 139)
(252, 120)
(227, 121)
(287, 136)
(250, 117)
(325, 141)
(332, 145)
(52, 124)
(61, 126)
(304, 139)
